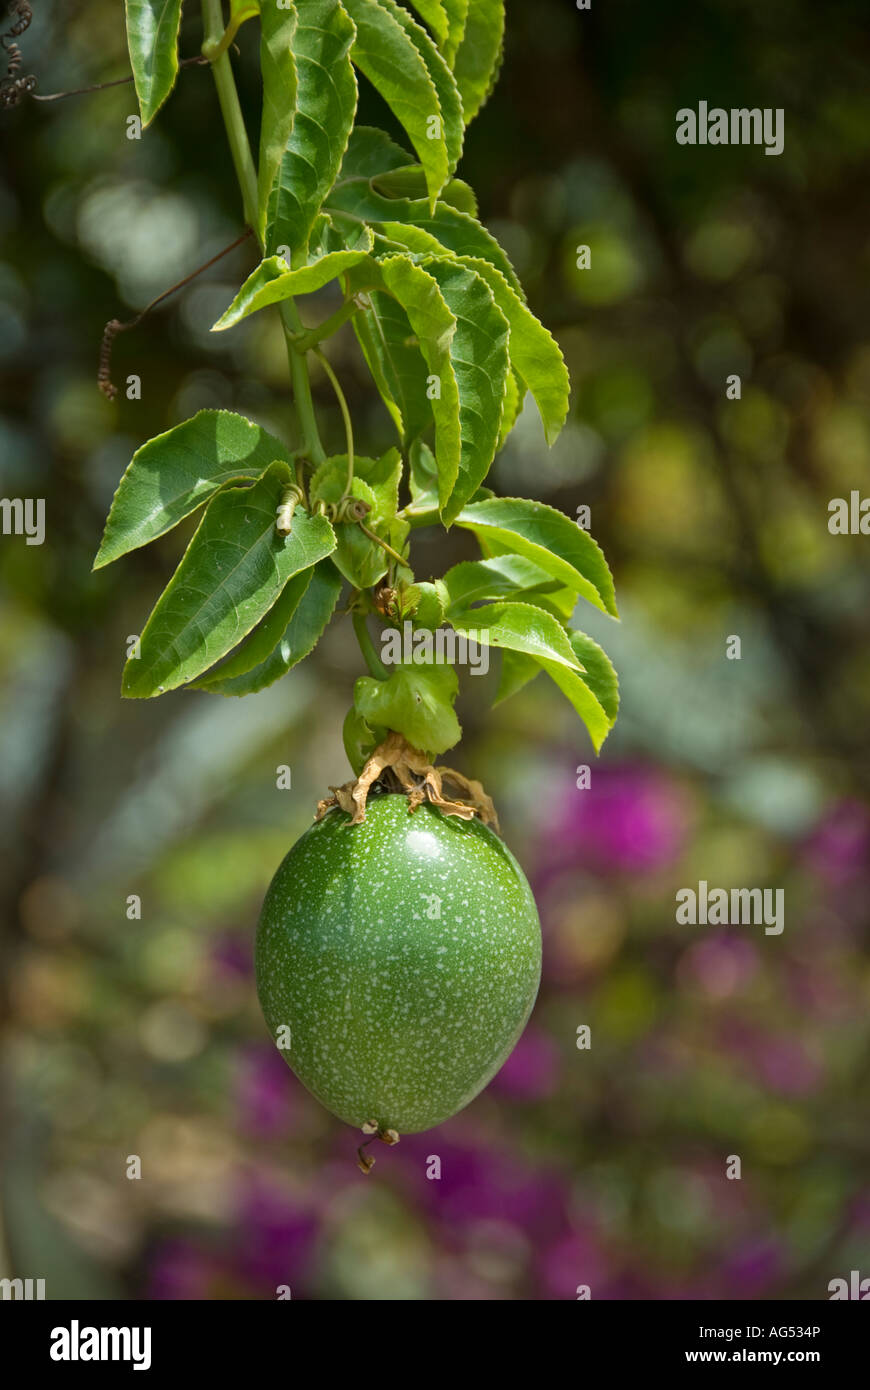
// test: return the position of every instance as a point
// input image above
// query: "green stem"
(312, 336)
(367, 647)
(234, 121)
(345, 414)
(246, 173)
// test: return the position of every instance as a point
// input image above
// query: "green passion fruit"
(397, 962)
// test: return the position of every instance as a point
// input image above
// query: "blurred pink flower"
(632, 819)
(575, 1258)
(532, 1070)
(264, 1092)
(838, 850)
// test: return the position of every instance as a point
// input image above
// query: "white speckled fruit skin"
(395, 1016)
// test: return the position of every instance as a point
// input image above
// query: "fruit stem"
(367, 647)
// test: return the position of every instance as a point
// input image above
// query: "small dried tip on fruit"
(364, 1161)
(370, 1127)
(388, 1136)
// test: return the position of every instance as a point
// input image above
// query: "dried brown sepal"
(364, 1161)
(400, 768)
(388, 1136)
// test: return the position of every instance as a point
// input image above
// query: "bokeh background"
(603, 1167)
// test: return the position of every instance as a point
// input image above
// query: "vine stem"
(246, 173)
(367, 647)
(345, 415)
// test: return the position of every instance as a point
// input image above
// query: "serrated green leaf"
(515, 394)
(394, 359)
(416, 701)
(432, 12)
(521, 627)
(449, 101)
(517, 670)
(423, 509)
(534, 352)
(479, 355)
(326, 98)
(387, 53)
(583, 699)
(434, 326)
(174, 473)
(272, 283)
(550, 539)
(362, 190)
(478, 581)
(599, 673)
(152, 38)
(287, 634)
(279, 76)
(230, 576)
(478, 60)
(457, 19)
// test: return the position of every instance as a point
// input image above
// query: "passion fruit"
(397, 962)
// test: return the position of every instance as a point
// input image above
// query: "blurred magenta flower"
(274, 1236)
(572, 1260)
(264, 1092)
(751, 1269)
(232, 956)
(632, 819)
(532, 1070)
(838, 850)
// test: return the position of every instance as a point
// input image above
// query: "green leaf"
(174, 473)
(521, 627)
(514, 396)
(534, 352)
(457, 19)
(517, 670)
(361, 192)
(287, 634)
(230, 576)
(272, 282)
(394, 359)
(433, 325)
(446, 19)
(479, 355)
(550, 539)
(359, 739)
(478, 581)
(449, 101)
(326, 98)
(416, 701)
(585, 702)
(423, 509)
(432, 12)
(152, 38)
(390, 57)
(477, 63)
(279, 75)
(599, 673)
